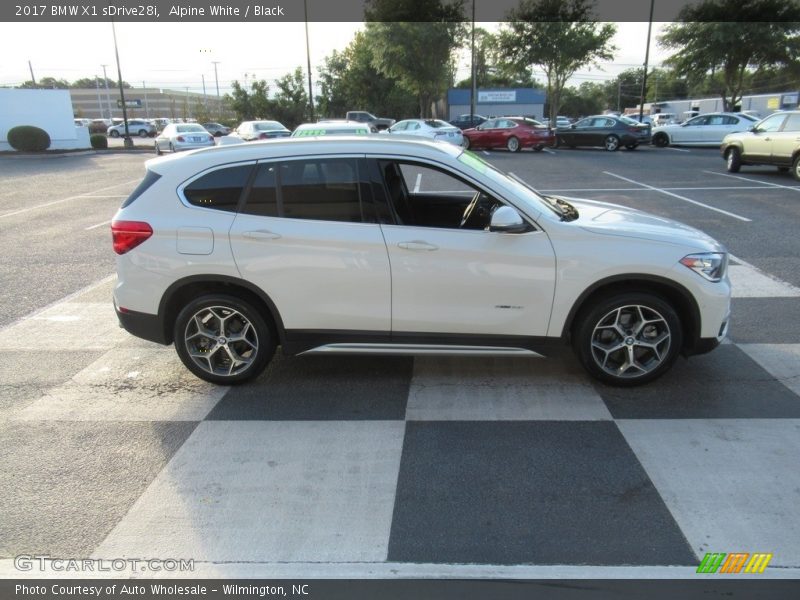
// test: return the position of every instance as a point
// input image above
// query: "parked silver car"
(138, 127)
(183, 136)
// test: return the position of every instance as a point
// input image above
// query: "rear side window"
(220, 189)
(150, 177)
(324, 189)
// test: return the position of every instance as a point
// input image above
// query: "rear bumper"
(142, 325)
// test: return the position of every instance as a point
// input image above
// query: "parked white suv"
(364, 245)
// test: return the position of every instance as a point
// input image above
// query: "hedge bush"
(98, 140)
(27, 138)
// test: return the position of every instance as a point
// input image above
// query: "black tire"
(660, 140)
(143, 133)
(171, 147)
(733, 160)
(465, 143)
(114, 133)
(611, 143)
(158, 150)
(256, 347)
(513, 144)
(796, 167)
(631, 146)
(594, 329)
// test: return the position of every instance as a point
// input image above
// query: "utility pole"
(216, 80)
(205, 96)
(646, 60)
(308, 59)
(108, 94)
(33, 79)
(146, 107)
(619, 95)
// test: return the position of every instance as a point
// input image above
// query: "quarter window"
(220, 189)
(792, 123)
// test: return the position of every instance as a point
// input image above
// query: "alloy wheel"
(221, 341)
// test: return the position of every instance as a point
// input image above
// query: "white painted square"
(782, 361)
(749, 282)
(733, 485)
(270, 491)
(129, 384)
(500, 389)
(67, 326)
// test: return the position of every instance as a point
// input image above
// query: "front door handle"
(261, 234)
(417, 245)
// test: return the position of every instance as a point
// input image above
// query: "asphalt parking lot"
(387, 466)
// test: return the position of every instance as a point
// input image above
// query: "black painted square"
(528, 492)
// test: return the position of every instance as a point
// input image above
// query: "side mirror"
(507, 220)
(572, 126)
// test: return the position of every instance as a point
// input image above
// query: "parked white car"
(433, 129)
(138, 127)
(183, 136)
(376, 244)
(703, 130)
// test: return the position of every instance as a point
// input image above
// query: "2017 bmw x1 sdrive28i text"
(330, 245)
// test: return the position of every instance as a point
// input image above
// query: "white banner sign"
(488, 97)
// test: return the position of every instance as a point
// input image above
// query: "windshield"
(188, 128)
(520, 189)
(268, 126)
(436, 124)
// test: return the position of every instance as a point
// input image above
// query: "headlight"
(712, 265)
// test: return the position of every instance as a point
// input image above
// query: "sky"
(177, 56)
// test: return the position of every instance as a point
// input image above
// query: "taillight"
(180, 138)
(126, 235)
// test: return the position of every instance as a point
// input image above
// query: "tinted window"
(263, 197)
(149, 179)
(220, 189)
(321, 189)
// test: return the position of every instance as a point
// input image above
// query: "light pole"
(97, 87)
(473, 88)
(128, 143)
(216, 81)
(108, 94)
(308, 60)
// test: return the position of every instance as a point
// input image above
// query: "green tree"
(587, 99)
(490, 68)
(47, 83)
(349, 81)
(290, 105)
(252, 104)
(558, 37)
(89, 82)
(717, 42)
(413, 43)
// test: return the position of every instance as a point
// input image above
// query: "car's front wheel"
(796, 167)
(660, 140)
(223, 339)
(512, 144)
(158, 150)
(733, 160)
(628, 339)
(114, 133)
(611, 143)
(143, 133)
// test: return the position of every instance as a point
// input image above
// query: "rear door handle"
(417, 245)
(262, 234)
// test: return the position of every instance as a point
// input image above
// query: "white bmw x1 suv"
(354, 245)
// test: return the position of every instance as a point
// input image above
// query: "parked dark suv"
(775, 140)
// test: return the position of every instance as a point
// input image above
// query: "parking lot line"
(46, 204)
(549, 151)
(663, 191)
(677, 149)
(768, 183)
(96, 226)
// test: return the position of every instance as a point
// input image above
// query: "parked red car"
(513, 133)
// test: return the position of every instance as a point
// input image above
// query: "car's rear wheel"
(796, 167)
(733, 160)
(512, 144)
(611, 143)
(143, 133)
(661, 140)
(114, 133)
(628, 339)
(223, 339)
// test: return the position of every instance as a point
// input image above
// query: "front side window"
(220, 189)
(771, 123)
